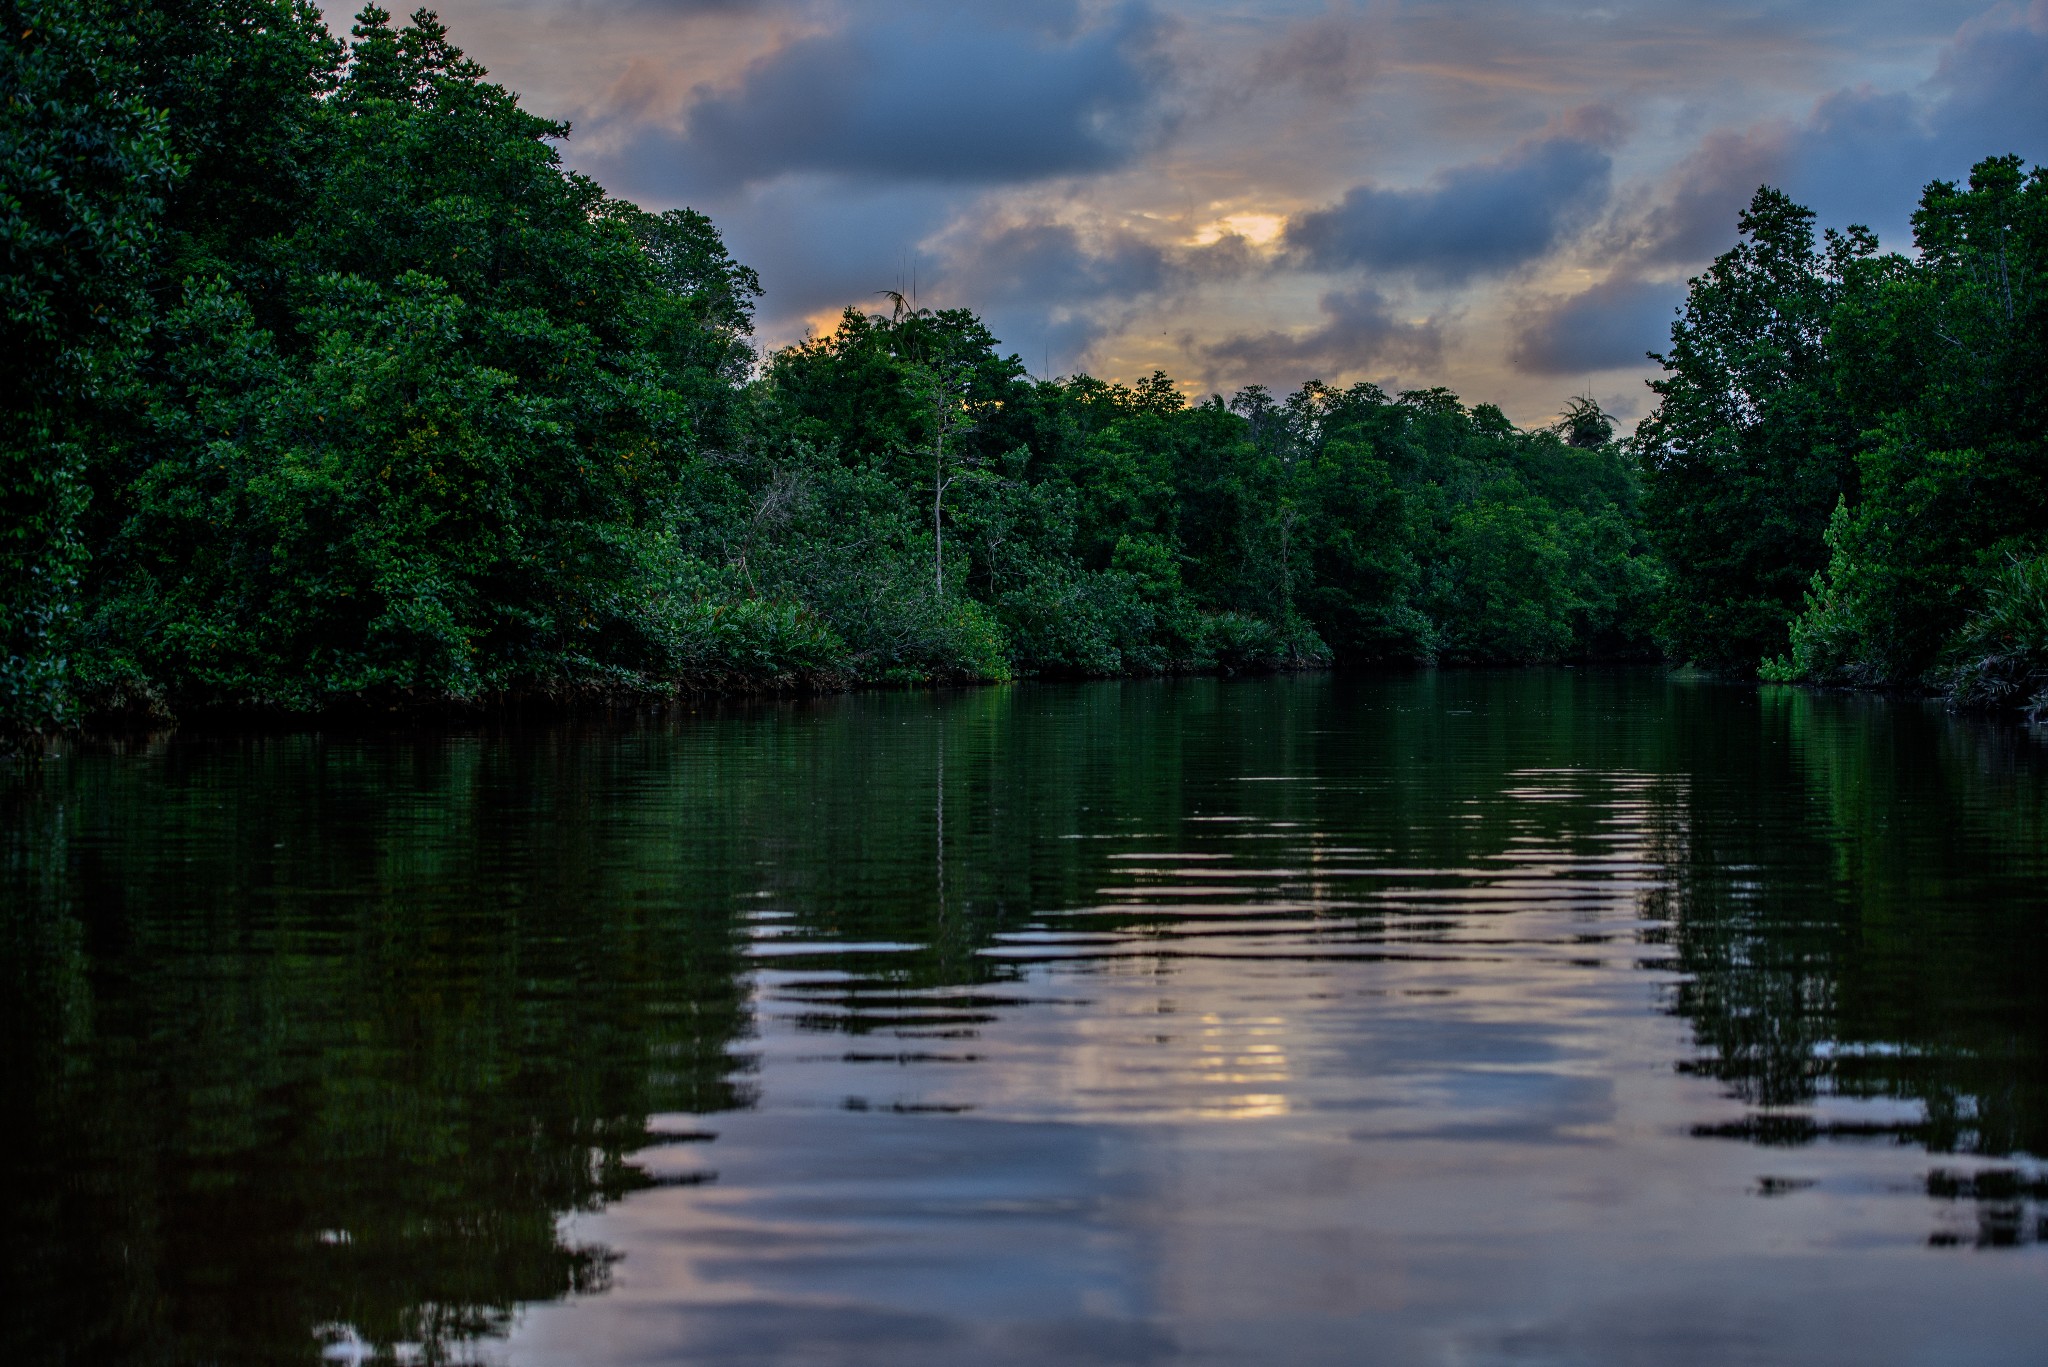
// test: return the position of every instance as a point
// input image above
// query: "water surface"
(1454, 1018)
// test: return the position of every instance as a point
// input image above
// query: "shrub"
(2000, 656)
(1237, 642)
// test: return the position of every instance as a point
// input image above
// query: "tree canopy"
(339, 389)
(1846, 473)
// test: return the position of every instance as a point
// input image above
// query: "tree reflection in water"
(304, 1038)
(1859, 918)
(319, 1038)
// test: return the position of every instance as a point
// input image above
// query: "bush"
(752, 640)
(1500, 595)
(1073, 623)
(1236, 642)
(2000, 656)
(1827, 638)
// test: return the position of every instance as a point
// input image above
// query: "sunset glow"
(1525, 189)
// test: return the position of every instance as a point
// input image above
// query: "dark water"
(1467, 1018)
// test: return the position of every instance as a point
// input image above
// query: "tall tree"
(1944, 358)
(1750, 446)
(85, 163)
(425, 437)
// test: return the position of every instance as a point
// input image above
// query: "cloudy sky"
(1505, 198)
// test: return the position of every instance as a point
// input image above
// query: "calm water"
(1465, 1018)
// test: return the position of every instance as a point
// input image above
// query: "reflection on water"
(1542, 1016)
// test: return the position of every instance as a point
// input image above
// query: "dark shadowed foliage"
(1846, 473)
(393, 410)
(342, 391)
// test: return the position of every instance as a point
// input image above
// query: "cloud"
(1329, 56)
(1033, 261)
(1047, 289)
(699, 6)
(962, 95)
(1859, 155)
(1694, 218)
(1052, 290)
(1992, 88)
(1050, 163)
(1470, 220)
(643, 92)
(1360, 330)
(1862, 155)
(819, 243)
(1606, 327)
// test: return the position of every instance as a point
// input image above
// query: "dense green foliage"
(336, 387)
(347, 391)
(1748, 449)
(1848, 470)
(1099, 528)
(84, 161)
(421, 433)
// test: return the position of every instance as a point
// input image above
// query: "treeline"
(1847, 472)
(334, 387)
(345, 390)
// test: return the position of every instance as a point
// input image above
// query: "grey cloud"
(1993, 89)
(1052, 291)
(819, 243)
(1230, 257)
(1049, 292)
(1696, 217)
(1864, 155)
(699, 6)
(1051, 261)
(832, 158)
(1045, 289)
(1610, 325)
(641, 92)
(936, 94)
(1329, 56)
(1360, 330)
(1658, 48)
(1470, 220)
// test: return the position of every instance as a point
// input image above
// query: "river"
(1543, 1016)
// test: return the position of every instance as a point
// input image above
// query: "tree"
(426, 440)
(85, 164)
(941, 391)
(355, 395)
(1583, 425)
(1750, 446)
(1945, 358)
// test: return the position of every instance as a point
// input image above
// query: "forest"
(334, 388)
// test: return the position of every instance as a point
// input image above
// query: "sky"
(1503, 198)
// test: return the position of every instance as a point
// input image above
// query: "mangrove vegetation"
(332, 386)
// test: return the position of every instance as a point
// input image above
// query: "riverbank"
(702, 692)
(572, 701)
